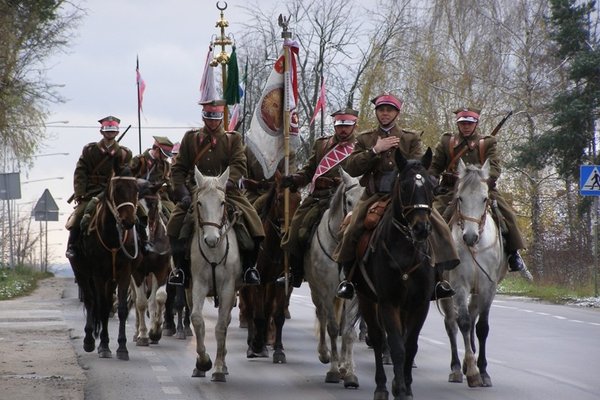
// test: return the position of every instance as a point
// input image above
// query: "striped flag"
(320, 106)
(208, 91)
(141, 85)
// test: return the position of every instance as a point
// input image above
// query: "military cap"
(176, 147)
(389, 99)
(467, 114)
(164, 144)
(109, 124)
(345, 116)
(213, 109)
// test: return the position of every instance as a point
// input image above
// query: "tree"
(30, 31)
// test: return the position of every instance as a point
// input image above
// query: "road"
(535, 351)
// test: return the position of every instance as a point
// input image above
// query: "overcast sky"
(98, 73)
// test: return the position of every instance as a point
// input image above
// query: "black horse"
(396, 281)
(110, 251)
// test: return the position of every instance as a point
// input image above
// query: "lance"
(223, 56)
(286, 35)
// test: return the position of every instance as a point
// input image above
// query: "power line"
(132, 126)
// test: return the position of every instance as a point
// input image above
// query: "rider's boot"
(296, 271)
(147, 245)
(72, 243)
(345, 289)
(515, 262)
(442, 287)
(249, 257)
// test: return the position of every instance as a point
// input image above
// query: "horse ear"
(427, 157)
(198, 177)
(345, 176)
(224, 177)
(461, 168)
(400, 160)
(485, 169)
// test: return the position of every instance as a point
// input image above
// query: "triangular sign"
(46, 203)
(593, 181)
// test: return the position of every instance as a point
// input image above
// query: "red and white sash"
(333, 157)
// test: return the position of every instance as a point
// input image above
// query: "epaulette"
(412, 131)
(232, 132)
(323, 138)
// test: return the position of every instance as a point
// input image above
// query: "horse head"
(122, 198)
(413, 195)
(209, 206)
(151, 201)
(472, 200)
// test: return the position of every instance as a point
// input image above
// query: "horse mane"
(337, 195)
(472, 175)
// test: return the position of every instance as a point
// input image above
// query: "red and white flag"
(235, 116)
(141, 85)
(265, 137)
(320, 106)
(208, 90)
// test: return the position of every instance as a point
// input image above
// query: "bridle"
(461, 218)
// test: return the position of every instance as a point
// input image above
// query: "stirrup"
(176, 277)
(345, 290)
(251, 276)
(443, 290)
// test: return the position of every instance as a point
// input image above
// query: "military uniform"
(480, 148)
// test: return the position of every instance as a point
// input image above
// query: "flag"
(320, 106)
(232, 86)
(208, 90)
(235, 116)
(141, 85)
(265, 137)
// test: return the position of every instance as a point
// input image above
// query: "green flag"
(232, 88)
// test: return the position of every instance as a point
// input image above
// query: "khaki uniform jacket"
(373, 168)
(313, 206)
(154, 170)
(226, 150)
(477, 156)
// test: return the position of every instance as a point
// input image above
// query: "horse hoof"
(188, 331)
(455, 377)
(279, 357)
(381, 395)
(155, 337)
(474, 381)
(123, 355)
(198, 374)
(142, 341)
(168, 332)
(89, 346)
(332, 377)
(324, 358)
(486, 380)
(205, 365)
(180, 335)
(104, 353)
(351, 382)
(218, 377)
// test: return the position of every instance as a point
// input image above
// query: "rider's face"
(386, 114)
(343, 132)
(212, 124)
(466, 128)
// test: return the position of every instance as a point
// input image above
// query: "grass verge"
(20, 281)
(517, 286)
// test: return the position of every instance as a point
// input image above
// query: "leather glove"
(182, 195)
(491, 182)
(250, 184)
(230, 186)
(292, 181)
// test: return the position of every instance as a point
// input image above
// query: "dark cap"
(164, 144)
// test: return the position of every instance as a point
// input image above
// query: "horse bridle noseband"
(407, 209)
(461, 218)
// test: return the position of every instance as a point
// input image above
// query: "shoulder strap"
(481, 151)
(455, 157)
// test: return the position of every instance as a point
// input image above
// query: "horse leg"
(414, 324)
(90, 329)
(203, 361)
(186, 320)
(141, 306)
(104, 301)
(258, 346)
(394, 328)
(368, 310)
(321, 313)
(156, 303)
(277, 310)
(451, 326)
(333, 330)
(223, 321)
(483, 328)
(123, 311)
(465, 324)
(179, 307)
(169, 324)
(350, 318)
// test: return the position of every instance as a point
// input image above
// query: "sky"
(97, 72)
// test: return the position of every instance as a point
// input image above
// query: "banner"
(265, 137)
(141, 85)
(320, 103)
(208, 91)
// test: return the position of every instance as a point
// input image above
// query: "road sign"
(46, 208)
(10, 186)
(589, 180)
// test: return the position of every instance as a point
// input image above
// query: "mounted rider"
(99, 161)
(322, 173)
(373, 158)
(153, 165)
(211, 149)
(473, 148)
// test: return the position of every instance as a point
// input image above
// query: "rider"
(98, 162)
(211, 149)
(153, 165)
(473, 148)
(322, 172)
(373, 158)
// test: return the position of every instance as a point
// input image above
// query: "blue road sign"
(589, 180)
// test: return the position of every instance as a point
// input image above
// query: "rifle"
(497, 128)
(101, 161)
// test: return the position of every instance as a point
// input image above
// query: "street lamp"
(41, 180)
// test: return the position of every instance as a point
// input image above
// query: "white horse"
(482, 266)
(322, 275)
(215, 268)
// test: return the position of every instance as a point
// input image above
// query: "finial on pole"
(284, 23)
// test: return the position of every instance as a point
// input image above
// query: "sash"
(333, 157)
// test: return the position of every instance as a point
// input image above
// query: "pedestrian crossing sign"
(589, 180)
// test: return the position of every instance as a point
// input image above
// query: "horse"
(267, 302)
(323, 277)
(177, 303)
(482, 266)
(149, 280)
(215, 268)
(396, 278)
(110, 252)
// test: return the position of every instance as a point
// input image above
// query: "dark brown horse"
(110, 252)
(268, 301)
(397, 280)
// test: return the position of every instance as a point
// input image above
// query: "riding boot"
(296, 271)
(442, 287)
(72, 243)
(515, 262)
(147, 245)
(249, 257)
(345, 289)
(177, 276)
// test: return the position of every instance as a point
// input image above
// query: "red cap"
(467, 115)
(388, 99)
(213, 109)
(109, 124)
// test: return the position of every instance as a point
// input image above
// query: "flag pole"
(244, 104)
(223, 57)
(322, 110)
(286, 35)
(139, 105)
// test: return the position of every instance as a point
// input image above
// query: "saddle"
(372, 219)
